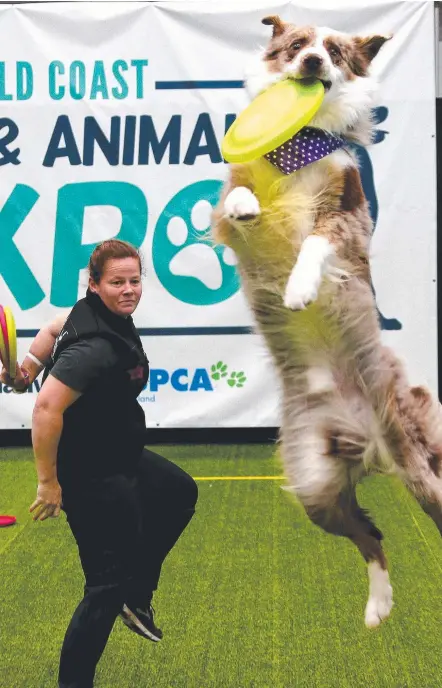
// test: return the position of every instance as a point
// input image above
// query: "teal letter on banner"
(13, 267)
(70, 255)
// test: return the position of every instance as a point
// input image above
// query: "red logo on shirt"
(136, 373)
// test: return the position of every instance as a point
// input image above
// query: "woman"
(125, 505)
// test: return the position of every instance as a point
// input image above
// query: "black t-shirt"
(84, 362)
(104, 430)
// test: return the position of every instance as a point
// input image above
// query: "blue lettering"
(158, 377)
(55, 150)
(129, 140)
(139, 65)
(32, 389)
(201, 380)
(13, 268)
(149, 139)
(229, 119)
(122, 92)
(175, 380)
(70, 255)
(110, 147)
(25, 81)
(203, 127)
(77, 80)
(56, 92)
(99, 85)
(3, 94)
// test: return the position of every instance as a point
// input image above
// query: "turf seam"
(7, 544)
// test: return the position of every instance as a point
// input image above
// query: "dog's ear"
(369, 46)
(279, 26)
(365, 49)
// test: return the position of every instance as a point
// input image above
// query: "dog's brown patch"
(364, 51)
(344, 448)
(341, 50)
(278, 24)
(284, 46)
(352, 194)
(421, 396)
(434, 464)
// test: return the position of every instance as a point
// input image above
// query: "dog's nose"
(312, 62)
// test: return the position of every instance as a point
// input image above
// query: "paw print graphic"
(236, 379)
(186, 262)
(219, 370)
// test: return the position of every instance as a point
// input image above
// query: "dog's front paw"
(302, 289)
(241, 204)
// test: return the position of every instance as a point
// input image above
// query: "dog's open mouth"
(311, 79)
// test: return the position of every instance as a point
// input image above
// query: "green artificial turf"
(252, 595)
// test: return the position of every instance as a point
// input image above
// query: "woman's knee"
(166, 482)
(188, 491)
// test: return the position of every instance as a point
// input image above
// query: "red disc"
(7, 521)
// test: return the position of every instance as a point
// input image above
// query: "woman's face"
(120, 285)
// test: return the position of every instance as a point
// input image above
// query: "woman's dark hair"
(111, 248)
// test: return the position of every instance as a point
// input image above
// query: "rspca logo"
(218, 375)
(192, 380)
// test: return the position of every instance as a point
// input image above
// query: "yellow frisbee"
(4, 353)
(272, 118)
(12, 341)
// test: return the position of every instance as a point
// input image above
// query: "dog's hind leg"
(419, 459)
(345, 518)
(322, 483)
(368, 540)
(426, 487)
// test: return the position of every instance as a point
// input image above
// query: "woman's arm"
(42, 346)
(37, 357)
(47, 423)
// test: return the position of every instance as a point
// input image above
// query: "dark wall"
(22, 438)
(439, 232)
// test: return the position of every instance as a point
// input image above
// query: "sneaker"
(141, 621)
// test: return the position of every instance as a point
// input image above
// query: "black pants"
(124, 528)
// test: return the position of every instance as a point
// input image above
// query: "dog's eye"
(272, 55)
(334, 52)
(296, 45)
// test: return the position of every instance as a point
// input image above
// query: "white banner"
(195, 381)
(112, 115)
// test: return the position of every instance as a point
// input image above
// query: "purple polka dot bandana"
(307, 146)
